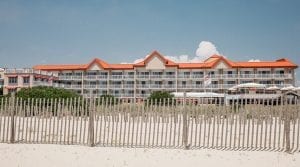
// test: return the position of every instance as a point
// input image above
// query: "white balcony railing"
(116, 77)
(183, 76)
(28, 71)
(143, 76)
(143, 86)
(90, 86)
(128, 86)
(115, 86)
(90, 77)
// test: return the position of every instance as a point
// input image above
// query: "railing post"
(91, 112)
(185, 126)
(12, 118)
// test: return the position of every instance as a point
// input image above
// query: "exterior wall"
(155, 63)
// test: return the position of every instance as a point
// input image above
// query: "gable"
(155, 63)
(95, 67)
(221, 65)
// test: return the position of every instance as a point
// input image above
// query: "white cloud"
(254, 60)
(205, 50)
(183, 59)
(138, 60)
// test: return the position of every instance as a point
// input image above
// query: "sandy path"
(26, 155)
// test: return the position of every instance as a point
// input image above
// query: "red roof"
(211, 62)
(155, 53)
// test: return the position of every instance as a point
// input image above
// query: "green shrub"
(159, 97)
(45, 92)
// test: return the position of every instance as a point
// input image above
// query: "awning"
(291, 87)
(198, 94)
(273, 88)
(251, 85)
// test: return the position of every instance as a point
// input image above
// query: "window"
(170, 82)
(198, 82)
(157, 73)
(186, 73)
(12, 80)
(25, 80)
(170, 73)
(117, 73)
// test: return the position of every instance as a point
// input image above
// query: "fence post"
(185, 126)
(287, 125)
(12, 118)
(91, 112)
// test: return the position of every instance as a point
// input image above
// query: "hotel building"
(15, 79)
(1, 77)
(156, 72)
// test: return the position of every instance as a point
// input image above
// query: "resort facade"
(154, 73)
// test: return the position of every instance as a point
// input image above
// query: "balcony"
(102, 86)
(198, 76)
(263, 76)
(128, 77)
(91, 86)
(170, 76)
(62, 77)
(143, 76)
(156, 76)
(76, 86)
(128, 86)
(127, 95)
(184, 86)
(155, 86)
(116, 77)
(247, 76)
(28, 71)
(229, 76)
(90, 77)
(146, 86)
(170, 86)
(197, 86)
(41, 83)
(143, 95)
(116, 86)
(184, 76)
(102, 77)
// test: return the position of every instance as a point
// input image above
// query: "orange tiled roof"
(166, 61)
(211, 62)
(60, 67)
(121, 66)
(267, 64)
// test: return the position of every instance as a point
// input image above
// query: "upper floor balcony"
(28, 71)
(39, 83)
(66, 77)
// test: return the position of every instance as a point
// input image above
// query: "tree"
(45, 92)
(160, 96)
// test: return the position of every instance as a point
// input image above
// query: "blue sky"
(58, 31)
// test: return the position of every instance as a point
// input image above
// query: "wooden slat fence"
(256, 124)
